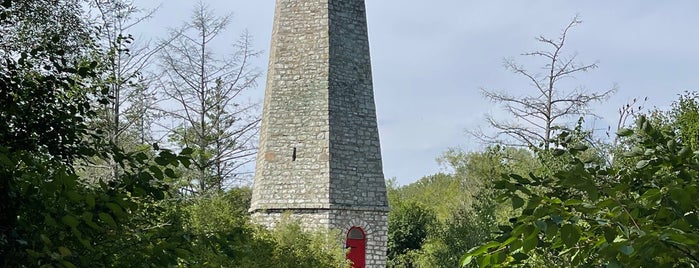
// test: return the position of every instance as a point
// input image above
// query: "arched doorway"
(356, 243)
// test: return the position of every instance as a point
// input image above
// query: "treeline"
(549, 192)
(119, 153)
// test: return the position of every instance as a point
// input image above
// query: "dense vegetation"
(87, 181)
(85, 184)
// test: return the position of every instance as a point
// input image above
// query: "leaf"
(627, 250)
(87, 218)
(90, 200)
(519, 256)
(642, 164)
(187, 151)
(570, 235)
(185, 161)
(116, 209)
(580, 147)
(162, 161)
(64, 251)
(652, 195)
(609, 234)
(517, 202)
(541, 225)
(681, 197)
(70, 221)
(558, 152)
(74, 196)
(530, 242)
(157, 172)
(170, 173)
(466, 260)
(107, 219)
(551, 229)
(624, 132)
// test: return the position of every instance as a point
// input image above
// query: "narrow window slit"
(293, 155)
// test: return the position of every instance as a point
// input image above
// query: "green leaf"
(87, 218)
(466, 260)
(517, 202)
(624, 132)
(74, 196)
(541, 225)
(627, 250)
(610, 234)
(572, 202)
(558, 152)
(530, 242)
(107, 219)
(519, 256)
(642, 164)
(116, 209)
(570, 234)
(65, 252)
(186, 162)
(482, 249)
(652, 195)
(681, 197)
(157, 172)
(170, 173)
(187, 151)
(45, 239)
(70, 221)
(162, 161)
(580, 147)
(90, 200)
(551, 229)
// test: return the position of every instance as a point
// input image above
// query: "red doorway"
(356, 243)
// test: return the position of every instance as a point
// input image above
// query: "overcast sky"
(430, 58)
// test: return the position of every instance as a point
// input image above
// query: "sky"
(430, 59)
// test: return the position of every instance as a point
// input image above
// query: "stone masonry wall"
(295, 111)
(356, 173)
(319, 155)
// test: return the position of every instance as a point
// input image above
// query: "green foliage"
(594, 215)
(685, 113)
(465, 229)
(408, 226)
(463, 203)
(296, 247)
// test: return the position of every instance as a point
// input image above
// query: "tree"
(127, 116)
(685, 115)
(49, 215)
(537, 114)
(615, 216)
(408, 226)
(35, 25)
(207, 90)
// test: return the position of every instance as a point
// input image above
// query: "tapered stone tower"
(319, 155)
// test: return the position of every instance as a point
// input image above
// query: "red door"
(356, 243)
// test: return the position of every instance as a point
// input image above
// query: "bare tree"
(206, 89)
(535, 114)
(126, 119)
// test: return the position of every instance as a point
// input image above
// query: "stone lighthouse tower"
(319, 155)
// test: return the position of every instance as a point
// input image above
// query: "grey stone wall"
(319, 153)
